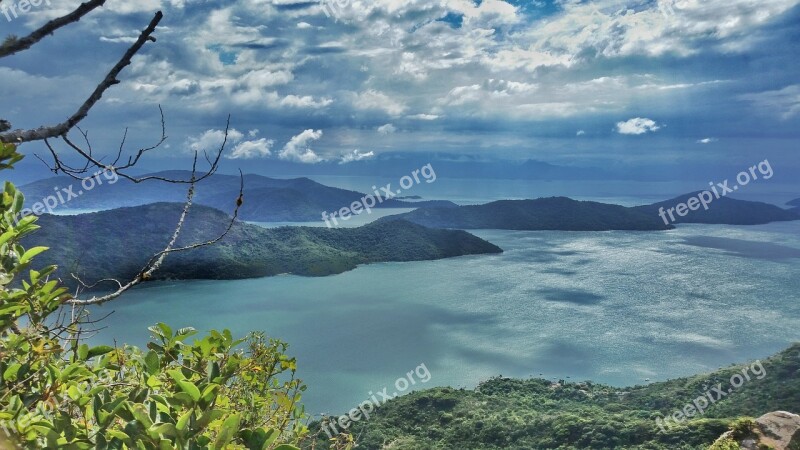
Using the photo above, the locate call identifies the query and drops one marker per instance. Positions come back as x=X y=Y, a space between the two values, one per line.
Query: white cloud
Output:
x=305 y=101
x=356 y=155
x=387 y=129
x=211 y=140
x=252 y=149
x=637 y=126
x=580 y=133
x=424 y=117
x=304 y=25
x=298 y=150
x=376 y=100
x=707 y=140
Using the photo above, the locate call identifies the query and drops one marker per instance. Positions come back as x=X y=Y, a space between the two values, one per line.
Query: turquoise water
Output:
x=615 y=307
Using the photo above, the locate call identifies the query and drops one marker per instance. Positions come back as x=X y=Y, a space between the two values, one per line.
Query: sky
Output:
x=338 y=83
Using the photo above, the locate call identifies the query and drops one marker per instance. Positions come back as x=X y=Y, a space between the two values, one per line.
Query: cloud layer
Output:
x=514 y=79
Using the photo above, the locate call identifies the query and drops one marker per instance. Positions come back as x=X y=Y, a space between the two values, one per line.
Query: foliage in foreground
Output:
x=512 y=414
x=57 y=392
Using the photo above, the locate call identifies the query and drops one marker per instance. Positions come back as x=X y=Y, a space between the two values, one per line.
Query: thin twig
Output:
x=62 y=129
x=18 y=45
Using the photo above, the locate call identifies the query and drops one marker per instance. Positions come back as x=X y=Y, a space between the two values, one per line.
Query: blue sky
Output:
x=584 y=83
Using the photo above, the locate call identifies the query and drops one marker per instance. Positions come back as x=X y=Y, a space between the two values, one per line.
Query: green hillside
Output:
x=513 y=414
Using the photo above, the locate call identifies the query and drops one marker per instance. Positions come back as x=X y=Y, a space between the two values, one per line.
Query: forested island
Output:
x=118 y=243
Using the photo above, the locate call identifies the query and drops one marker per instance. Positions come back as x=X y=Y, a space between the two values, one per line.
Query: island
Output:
x=723 y=211
x=118 y=243
x=544 y=214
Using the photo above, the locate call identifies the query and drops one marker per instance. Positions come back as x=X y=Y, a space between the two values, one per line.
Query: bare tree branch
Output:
x=45 y=132
x=17 y=45
x=59 y=166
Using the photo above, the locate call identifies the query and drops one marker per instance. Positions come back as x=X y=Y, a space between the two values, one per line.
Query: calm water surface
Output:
x=614 y=307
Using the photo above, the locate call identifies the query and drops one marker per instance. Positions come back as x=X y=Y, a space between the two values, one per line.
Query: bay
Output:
x=613 y=307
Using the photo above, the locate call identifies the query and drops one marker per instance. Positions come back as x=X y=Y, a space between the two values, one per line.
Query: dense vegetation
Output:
x=726 y=211
x=557 y=213
x=268 y=199
x=117 y=243
x=512 y=414
x=56 y=391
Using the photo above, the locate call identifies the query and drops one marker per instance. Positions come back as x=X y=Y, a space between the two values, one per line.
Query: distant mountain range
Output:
x=117 y=243
x=565 y=214
x=266 y=199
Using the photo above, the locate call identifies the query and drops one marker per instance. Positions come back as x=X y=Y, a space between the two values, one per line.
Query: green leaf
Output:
x=141 y=414
x=189 y=388
x=183 y=421
x=83 y=352
x=6 y=236
x=152 y=362
x=11 y=372
x=118 y=435
x=28 y=255
x=228 y=430
x=166 y=429
x=100 y=350
x=210 y=392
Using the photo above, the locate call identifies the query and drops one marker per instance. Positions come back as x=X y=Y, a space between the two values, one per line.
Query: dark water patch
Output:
x=574 y=296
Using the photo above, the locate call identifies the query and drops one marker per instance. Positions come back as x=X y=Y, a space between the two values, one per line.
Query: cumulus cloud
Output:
x=252 y=149
x=580 y=133
x=637 y=126
x=211 y=140
x=387 y=129
x=376 y=100
x=298 y=148
x=356 y=155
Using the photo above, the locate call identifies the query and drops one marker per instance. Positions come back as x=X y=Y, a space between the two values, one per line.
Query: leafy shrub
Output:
x=58 y=392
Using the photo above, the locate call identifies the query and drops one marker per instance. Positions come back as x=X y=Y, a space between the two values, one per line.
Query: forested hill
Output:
x=724 y=210
x=508 y=414
x=117 y=243
x=557 y=213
